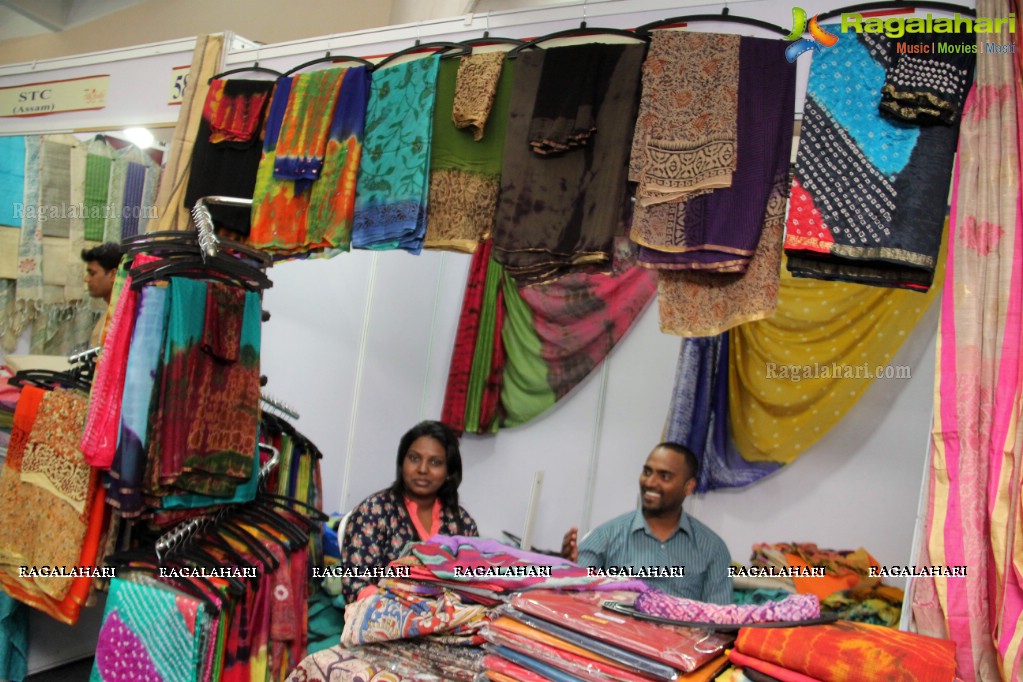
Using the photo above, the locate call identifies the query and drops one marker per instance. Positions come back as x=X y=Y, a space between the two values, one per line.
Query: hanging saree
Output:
x=227 y=148
x=559 y=213
x=97 y=185
x=12 y=179
x=973 y=514
x=390 y=207
x=205 y=420
x=307 y=118
x=295 y=217
x=465 y=164
x=869 y=194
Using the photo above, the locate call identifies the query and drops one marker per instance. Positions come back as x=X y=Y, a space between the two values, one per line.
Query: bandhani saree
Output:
x=718 y=231
x=390 y=206
x=124 y=480
x=927 y=77
x=307 y=120
x=685 y=139
x=465 y=170
x=205 y=420
x=150 y=632
x=799 y=372
x=852 y=652
x=869 y=194
x=560 y=213
x=97 y=184
x=698 y=416
x=291 y=218
x=12 y=179
x=973 y=515
x=227 y=148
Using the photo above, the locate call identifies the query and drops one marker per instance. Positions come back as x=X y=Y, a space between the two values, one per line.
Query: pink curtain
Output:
x=977 y=440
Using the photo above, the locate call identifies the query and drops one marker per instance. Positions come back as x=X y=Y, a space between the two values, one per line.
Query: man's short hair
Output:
x=108 y=255
x=687 y=454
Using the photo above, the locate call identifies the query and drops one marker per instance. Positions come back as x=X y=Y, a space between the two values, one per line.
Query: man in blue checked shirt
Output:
x=657 y=540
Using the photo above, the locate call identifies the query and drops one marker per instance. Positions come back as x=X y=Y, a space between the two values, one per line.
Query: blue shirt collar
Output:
x=639 y=523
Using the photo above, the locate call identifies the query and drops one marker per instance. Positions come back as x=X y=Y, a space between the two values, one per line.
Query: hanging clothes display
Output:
x=869 y=193
x=559 y=213
x=390 y=207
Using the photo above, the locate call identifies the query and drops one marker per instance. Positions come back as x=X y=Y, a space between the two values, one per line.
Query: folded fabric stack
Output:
x=842 y=652
x=391 y=662
x=549 y=635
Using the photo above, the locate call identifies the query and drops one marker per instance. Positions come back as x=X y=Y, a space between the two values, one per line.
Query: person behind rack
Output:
x=100 y=270
x=659 y=534
x=422 y=502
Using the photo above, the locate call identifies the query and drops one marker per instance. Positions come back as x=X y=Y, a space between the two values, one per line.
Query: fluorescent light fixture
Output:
x=140 y=137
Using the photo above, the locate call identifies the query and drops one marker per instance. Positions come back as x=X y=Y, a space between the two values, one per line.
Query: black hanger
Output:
x=289 y=503
x=897 y=4
x=48 y=379
x=228 y=270
x=155 y=242
x=328 y=58
x=487 y=39
x=255 y=68
x=228 y=526
x=724 y=16
x=441 y=45
x=196 y=557
x=258 y=515
x=583 y=30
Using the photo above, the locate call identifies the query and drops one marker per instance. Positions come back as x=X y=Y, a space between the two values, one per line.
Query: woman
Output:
x=422 y=502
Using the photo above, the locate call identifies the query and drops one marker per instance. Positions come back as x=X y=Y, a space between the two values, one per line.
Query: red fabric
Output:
x=453 y=413
x=775 y=671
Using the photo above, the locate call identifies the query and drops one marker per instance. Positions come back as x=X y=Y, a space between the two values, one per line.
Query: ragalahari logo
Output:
x=818 y=36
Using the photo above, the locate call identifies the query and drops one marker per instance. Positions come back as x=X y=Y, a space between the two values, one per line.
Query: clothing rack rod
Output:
x=84 y=356
x=279 y=405
x=271 y=464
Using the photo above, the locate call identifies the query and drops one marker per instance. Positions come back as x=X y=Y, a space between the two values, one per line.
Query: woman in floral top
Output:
x=422 y=502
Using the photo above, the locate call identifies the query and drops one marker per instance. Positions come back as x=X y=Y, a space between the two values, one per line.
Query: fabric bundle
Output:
x=559 y=213
x=465 y=169
x=793 y=608
x=519 y=351
x=227 y=148
x=845 y=652
x=390 y=208
x=869 y=194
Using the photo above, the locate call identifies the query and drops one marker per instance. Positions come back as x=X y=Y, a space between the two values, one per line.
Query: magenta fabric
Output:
x=795 y=607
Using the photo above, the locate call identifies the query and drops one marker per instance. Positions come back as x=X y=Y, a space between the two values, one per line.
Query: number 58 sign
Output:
x=179 y=81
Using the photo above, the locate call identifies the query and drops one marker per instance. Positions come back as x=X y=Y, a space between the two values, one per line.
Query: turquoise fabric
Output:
x=13 y=639
x=12 y=179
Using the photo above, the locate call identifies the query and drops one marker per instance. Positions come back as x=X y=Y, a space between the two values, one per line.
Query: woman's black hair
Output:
x=448 y=493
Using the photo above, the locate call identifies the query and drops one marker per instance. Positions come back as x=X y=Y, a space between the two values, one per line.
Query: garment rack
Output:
x=203 y=220
x=279 y=405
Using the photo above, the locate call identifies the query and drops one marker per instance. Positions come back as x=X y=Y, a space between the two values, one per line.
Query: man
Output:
x=100 y=269
x=659 y=535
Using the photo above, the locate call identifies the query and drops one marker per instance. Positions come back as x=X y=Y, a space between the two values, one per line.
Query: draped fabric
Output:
x=170 y=206
x=698 y=416
x=465 y=163
x=973 y=513
x=97 y=185
x=795 y=375
x=294 y=217
x=926 y=84
x=390 y=207
x=30 y=244
x=869 y=193
x=124 y=480
x=306 y=126
x=12 y=179
x=205 y=422
x=685 y=140
x=228 y=147
x=560 y=213
x=518 y=351
x=718 y=230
